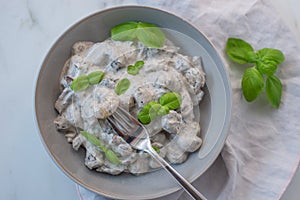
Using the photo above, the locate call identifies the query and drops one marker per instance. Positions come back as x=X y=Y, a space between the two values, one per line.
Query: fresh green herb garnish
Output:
x=262 y=74
x=269 y=59
x=163 y=110
x=168 y=101
x=149 y=34
x=149 y=112
x=122 y=86
x=131 y=69
x=134 y=69
x=252 y=83
x=112 y=157
x=109 y=154
x=171 y=100
x=273 y=90
x=238 y=50
x=156 y=148
x=95 y=77
x=82 y=82
x=124 y=32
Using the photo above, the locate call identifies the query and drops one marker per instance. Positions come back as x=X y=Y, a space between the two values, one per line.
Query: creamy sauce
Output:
x=175 y=134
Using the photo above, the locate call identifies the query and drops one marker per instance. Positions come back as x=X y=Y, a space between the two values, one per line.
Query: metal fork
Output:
x=131 y=130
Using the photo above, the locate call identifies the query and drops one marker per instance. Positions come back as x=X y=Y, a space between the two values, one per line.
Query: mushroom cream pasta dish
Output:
x=159 y=86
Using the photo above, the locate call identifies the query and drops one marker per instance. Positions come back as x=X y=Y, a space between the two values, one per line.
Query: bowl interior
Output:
x=215 y=107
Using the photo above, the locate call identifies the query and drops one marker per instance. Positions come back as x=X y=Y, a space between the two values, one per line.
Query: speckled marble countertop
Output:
x=28 y=28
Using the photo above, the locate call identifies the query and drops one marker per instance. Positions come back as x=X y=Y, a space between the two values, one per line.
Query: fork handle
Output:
x=188 y=187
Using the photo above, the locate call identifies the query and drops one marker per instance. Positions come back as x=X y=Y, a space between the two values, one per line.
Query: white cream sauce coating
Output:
x=175 y=134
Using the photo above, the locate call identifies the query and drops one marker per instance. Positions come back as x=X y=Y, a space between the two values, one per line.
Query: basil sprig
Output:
x=262 y=74
x=82 y=82
x=149 y=34
x=109 y=154
x=168 y=101
x=134 y=69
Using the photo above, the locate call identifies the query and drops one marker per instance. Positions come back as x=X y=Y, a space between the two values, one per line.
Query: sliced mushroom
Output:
x=64 y=100
x=172 y=122
x=113 y=170
x=143 y=95
x=175 y=154
x=105 y=103
x=92 y=161
x=140 y=165
x=62 y=124
x=81 y=46
x=187 y=139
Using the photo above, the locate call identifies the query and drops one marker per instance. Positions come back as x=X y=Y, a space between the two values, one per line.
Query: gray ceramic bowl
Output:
x=215 y=108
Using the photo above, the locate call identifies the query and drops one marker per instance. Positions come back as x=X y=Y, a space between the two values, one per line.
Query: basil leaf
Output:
x=238 y=50
x=139 y=64
x=268 y=54
x=156 y=148
x=80 y=83
x=133 y=70
x=124 y=32
x=252 y=83
x=171 y=100
x=163 y=110
x=273 y=90
x=268 y=60
x=122 y=86
x=150 y=35
x=267 y=67
x=252 y=57
x=93 y=140
x=153 y=111
x=95 y=77
x=112 y=157
x=148 y=112
x=109 y=154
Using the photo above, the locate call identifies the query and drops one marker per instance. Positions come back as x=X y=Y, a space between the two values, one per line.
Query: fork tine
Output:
x=118 y=122
x=114 y=124
x=117 y=128
x=122 y=124
x=129 y=118
x=124 y=120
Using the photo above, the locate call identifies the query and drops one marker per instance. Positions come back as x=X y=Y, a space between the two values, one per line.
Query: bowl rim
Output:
x=52 y=48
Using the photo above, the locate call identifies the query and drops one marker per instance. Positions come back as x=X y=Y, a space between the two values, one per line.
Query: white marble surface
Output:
x=28 y=28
